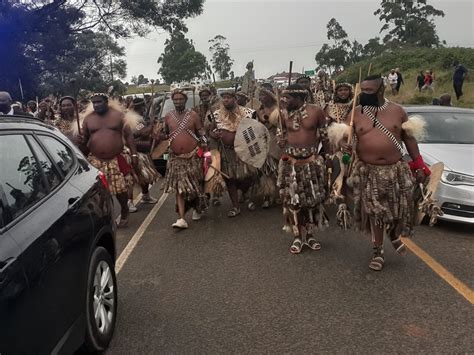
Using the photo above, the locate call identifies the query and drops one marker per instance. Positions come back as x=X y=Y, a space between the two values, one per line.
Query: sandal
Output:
x=234 y=212
x=313 y=244
x=216 y=202
x=399 y=246
x=378 y=260
x=296 y=246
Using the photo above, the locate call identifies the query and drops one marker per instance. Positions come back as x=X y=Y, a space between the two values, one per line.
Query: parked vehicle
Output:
x=450 y=139
x=58 y=290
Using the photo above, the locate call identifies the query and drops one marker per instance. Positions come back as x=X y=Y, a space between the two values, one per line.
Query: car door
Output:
x=50 y=234
x=12 y=278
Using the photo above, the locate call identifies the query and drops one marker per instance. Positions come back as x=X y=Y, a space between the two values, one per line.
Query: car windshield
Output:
x=448 y=127
x=168 y=106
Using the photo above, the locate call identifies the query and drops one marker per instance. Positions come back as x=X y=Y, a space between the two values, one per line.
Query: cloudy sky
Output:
x=274 y=32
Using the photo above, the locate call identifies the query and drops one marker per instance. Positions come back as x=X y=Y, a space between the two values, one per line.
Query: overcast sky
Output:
x=274 y=32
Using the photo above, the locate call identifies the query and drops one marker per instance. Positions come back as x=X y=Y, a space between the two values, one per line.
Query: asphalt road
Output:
x=231 y=286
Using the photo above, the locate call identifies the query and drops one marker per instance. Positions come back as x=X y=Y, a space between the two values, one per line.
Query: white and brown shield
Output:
x=252 y=142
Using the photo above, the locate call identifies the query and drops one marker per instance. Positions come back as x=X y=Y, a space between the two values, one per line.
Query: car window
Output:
x=448 y=127
x=50 y=173
x=61 y=154
x=21 y=176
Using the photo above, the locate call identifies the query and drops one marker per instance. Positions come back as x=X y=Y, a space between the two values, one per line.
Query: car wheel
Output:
x=101 y=302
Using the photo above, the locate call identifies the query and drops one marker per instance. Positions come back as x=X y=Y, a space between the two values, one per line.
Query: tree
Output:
x=334 y=57
x=39 y=39
x=356 y=52
x=180 y=61
x=373 y=48
x=142 y=80
x=409 y=22
x=97 y=63
x=221 y=61
x=121 y=17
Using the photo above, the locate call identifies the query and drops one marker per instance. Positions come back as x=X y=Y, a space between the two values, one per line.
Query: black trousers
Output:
x=458 y=88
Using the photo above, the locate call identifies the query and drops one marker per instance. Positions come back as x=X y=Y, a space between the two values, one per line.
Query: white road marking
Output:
x=122 y=259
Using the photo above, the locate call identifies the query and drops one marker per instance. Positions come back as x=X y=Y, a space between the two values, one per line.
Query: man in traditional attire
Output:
x=184 y=173
x=208 y=104
x=238 y=175
x=269 y=115
x=337 y=109
x=66 y=120
x=104 y=132
x=305 y=82
x=382 y=181
x=146 y=173
x=302 y=172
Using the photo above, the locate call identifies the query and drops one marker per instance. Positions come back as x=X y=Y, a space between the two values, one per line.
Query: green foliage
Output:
x=412 y=59
x=409 y=23
x=49 y=43
x=221 y=61
x=334 y=57
x=411 y=62
x=180 y=61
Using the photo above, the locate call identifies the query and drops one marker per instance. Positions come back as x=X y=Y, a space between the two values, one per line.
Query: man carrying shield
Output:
x=302 y=173
x=238 y=175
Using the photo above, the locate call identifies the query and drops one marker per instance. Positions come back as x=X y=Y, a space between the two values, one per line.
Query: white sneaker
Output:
x=131 y=207
x=146 y=198
x=196 y=215
x=180 y=223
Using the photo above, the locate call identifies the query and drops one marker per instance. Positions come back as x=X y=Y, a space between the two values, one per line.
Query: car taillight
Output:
x=103 y=180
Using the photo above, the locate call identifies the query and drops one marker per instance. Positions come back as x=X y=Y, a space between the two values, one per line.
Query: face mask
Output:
x=369 y=99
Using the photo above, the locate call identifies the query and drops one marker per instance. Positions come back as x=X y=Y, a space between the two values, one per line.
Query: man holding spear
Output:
x=382 y=182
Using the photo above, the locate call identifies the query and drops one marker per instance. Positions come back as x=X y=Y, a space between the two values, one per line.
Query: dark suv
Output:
x=58 y=289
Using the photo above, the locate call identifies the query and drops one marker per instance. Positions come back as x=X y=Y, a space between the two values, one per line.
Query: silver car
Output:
x=450 y=139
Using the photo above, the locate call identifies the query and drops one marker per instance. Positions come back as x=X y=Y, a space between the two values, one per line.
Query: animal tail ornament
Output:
x=415 y=127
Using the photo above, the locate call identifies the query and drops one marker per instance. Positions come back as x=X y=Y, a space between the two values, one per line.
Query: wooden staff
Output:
x=280 y=123
x=354 y=101
x=368 y=71
x=76 y=110
x=289 y=76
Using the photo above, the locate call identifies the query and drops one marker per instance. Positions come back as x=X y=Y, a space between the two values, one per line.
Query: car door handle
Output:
x=73 y=203
x=4 y=264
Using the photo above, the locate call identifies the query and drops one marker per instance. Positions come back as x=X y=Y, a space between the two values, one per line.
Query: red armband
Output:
x=418 y=164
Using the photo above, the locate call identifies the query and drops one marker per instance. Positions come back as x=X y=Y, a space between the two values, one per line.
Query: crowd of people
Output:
x=304 y=163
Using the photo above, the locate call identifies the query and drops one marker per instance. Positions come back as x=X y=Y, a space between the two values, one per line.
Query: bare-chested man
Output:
x=383 y=183
x=184 y=174
x=302 y=173
x=241 y=176
x=104 y=131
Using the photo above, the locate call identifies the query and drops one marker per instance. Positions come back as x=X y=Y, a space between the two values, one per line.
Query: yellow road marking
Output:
x=455 y=283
